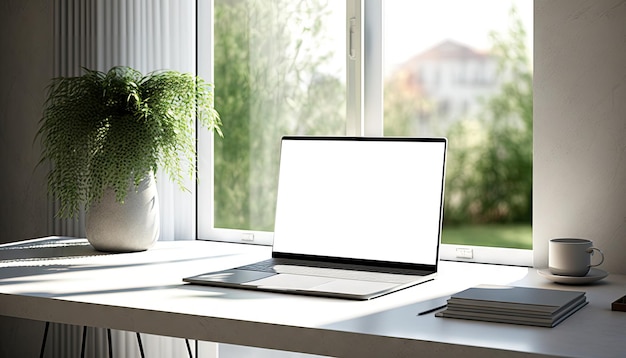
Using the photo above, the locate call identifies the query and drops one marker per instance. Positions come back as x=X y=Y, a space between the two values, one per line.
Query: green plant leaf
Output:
x=109 y=130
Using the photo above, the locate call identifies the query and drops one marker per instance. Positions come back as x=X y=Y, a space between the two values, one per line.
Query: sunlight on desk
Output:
x=144 y=292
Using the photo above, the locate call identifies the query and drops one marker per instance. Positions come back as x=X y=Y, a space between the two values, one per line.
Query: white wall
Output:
x=25 y=68
x=580 y=126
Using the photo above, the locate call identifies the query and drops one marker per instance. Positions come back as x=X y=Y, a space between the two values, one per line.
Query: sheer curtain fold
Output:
x=74 y=36
x=147 y=35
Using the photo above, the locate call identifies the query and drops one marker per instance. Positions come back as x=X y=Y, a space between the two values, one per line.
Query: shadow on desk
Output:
x=46 y=249
x=54 y=255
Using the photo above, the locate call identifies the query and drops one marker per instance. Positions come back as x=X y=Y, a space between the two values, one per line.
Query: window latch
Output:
x=352 y=33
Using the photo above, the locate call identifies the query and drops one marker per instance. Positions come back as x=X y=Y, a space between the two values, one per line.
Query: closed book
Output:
x=517 y=311
x=518 y=305
x=516 y=298
x=546 y=321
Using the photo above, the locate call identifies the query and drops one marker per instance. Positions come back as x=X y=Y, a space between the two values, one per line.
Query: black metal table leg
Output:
x=43 y=342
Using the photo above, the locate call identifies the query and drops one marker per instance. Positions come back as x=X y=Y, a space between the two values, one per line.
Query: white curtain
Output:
x=147 y=35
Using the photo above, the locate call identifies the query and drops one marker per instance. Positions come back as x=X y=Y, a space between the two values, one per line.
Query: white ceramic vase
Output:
x=125 y=227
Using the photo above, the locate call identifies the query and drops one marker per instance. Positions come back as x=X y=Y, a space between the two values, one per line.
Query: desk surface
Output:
x=64 y=280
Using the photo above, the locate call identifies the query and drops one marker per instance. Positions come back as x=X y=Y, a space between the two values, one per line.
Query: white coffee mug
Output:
x=571 y=257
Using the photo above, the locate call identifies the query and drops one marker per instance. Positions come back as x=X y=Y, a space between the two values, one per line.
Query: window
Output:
x=466 y=75
x=280 y=67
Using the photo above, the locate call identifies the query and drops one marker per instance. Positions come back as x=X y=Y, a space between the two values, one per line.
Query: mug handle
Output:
x=590 y=250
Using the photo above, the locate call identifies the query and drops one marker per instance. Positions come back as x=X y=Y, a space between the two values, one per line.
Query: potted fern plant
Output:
x=106 y=133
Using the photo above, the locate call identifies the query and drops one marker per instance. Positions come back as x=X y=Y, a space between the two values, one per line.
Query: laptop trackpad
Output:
x=320 y=284
x=289 y=281
x=354 y=286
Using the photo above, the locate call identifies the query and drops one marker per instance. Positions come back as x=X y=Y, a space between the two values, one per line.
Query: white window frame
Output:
x=205 y=223
x=364 y=118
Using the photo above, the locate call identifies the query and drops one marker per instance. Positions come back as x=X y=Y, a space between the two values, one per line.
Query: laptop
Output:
x=356 y=218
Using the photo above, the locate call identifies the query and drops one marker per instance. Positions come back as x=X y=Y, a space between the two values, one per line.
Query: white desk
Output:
x=63 y=280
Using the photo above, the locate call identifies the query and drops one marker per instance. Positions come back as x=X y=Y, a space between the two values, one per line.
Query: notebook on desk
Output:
x=356 y=218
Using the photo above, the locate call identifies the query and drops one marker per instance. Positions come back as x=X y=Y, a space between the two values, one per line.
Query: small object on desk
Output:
x=595 y=274
x=432 y=310
x=517 y=305
x=619 y=304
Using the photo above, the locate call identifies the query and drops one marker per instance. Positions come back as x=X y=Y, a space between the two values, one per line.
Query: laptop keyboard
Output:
x=334 y=270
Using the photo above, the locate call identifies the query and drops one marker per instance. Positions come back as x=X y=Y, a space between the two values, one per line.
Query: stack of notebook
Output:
x=518 y=305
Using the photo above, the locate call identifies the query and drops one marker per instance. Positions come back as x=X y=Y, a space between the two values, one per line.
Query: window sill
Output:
x=484 y=254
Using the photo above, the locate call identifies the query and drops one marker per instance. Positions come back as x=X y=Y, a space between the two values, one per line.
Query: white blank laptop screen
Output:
x=361 y=199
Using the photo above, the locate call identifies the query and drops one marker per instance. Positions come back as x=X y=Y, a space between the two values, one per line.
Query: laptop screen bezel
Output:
x=417 y=268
